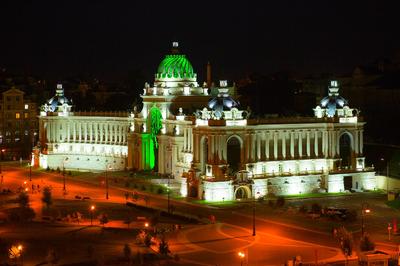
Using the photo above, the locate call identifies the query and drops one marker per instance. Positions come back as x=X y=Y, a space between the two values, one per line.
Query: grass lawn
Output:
x=395 y=204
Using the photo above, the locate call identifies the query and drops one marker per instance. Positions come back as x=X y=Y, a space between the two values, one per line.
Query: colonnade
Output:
x=86 y=131
x=264 y=145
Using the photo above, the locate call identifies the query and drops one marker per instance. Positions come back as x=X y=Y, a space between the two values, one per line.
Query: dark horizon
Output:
x=110 y=41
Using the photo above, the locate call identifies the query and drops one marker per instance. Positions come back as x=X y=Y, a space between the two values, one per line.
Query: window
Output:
x=8 y=107
x=26 y=106
x=26 y=132
x=17 y=115
x=8 y=98
x=17 y=98
x=26 y=115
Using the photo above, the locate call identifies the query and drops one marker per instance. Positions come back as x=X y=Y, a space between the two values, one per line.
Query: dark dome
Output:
x=222 y=103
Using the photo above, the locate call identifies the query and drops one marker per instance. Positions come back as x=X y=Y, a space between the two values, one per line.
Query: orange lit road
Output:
x=214 y=244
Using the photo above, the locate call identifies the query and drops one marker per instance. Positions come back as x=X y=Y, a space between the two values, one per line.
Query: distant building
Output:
x=18 y=124
x=215 y=151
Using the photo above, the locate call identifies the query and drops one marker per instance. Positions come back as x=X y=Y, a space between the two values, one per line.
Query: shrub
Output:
x=271 y=203
x=303 y=209
x=143 y=187
x=127 y=184
x=280 y=202
x=135 y=186
x=127 y=251
x=160 y=190
x=103 y=219
x=366 y=243
x=163 y=247
x=48 y=168
x=351 y=216
x=316 y=208
x=58 y=170
x=148 y=240
x=69 y=173
x=47 y=198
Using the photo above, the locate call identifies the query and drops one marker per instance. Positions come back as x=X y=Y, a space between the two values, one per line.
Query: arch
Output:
x=203 y=153
x=345 y=149
x=350 y=136
x=242 y=192
x=234 y=146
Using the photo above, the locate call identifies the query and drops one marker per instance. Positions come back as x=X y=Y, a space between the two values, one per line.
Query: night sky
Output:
x=110 y=39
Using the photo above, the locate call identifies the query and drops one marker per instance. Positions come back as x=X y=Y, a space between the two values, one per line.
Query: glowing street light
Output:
x=20 y=247
x=146 y=225
x=92 y=208
x=241 y=256
x=364 y=210
x=108 y=167
x=30 y=171
x=64 y=161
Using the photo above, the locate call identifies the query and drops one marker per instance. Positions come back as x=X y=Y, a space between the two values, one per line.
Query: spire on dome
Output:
x=175 y=48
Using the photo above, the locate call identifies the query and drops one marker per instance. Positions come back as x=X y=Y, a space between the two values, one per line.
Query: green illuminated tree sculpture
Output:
x=155 y=127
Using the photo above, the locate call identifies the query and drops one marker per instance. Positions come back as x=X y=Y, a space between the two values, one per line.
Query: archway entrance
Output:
x=345 y=150
x=233 y=154
x=242 y=192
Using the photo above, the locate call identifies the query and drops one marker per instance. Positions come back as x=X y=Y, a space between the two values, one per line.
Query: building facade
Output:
x=86 y=141
x=18 y=124
x=212 y=148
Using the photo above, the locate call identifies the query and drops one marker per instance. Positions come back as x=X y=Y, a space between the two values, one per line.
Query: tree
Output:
x=346 y=242
x=47 y=198
x=128 y=220
x=366 y=243
x=127 y=252
x=148 y=240
x=280 y=202
x=163 y=247
x=316 y=208
x=52 y=257
x=23 y=200
x=103 y=219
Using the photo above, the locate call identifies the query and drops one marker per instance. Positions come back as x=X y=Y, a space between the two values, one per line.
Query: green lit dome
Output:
x=175 y=66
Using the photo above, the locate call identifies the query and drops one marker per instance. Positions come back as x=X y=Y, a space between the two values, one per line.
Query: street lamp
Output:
x=107 y=167
x=64 y=161
x=241 y=256
x=91 y=214
x=168 y=202
x=30 y=171
x=20 y=247
x=364 y=210
x=251 y=166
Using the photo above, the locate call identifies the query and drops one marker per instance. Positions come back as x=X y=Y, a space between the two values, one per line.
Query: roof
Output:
x=175 y=66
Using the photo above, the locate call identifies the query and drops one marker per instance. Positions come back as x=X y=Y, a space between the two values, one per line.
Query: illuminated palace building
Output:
x=201 y=137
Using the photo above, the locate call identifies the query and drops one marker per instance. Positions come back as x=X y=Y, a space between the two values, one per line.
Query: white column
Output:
x=106 y=136
x=357 y=142
x=258 y=146
x=361 y=141
x=211 y=153
x=275 y=145
x=316 y=143
x=80 y=131
x=68 y=125
x=267 y=135
x=291 y=144
x=300 y=134
x=224 y=148
x=184 y=139
x=308 y=143
x=46 y=125
x=284 y=144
